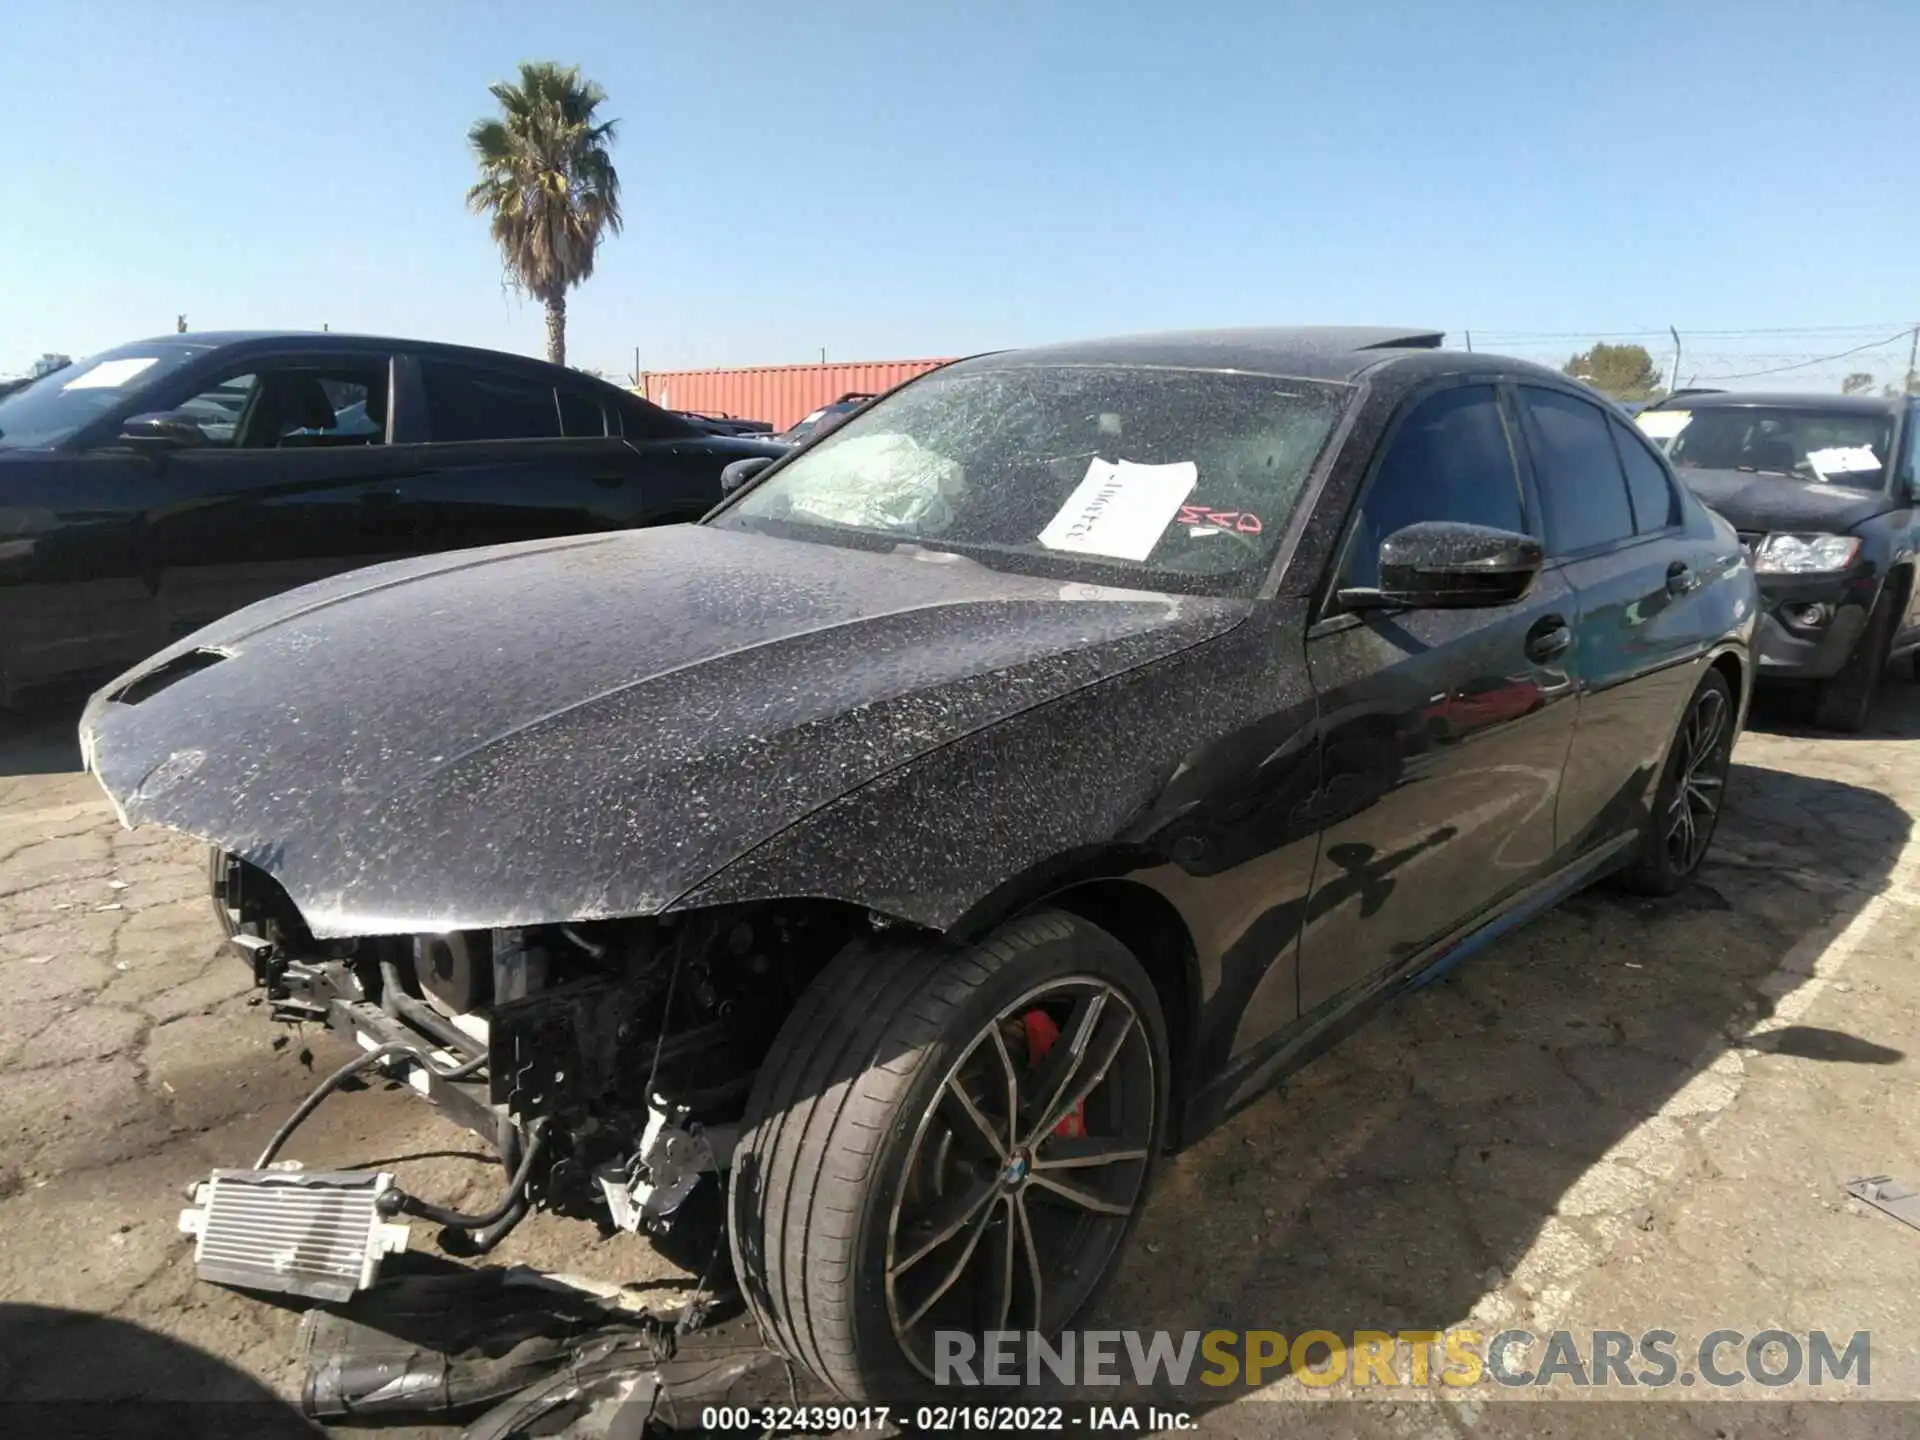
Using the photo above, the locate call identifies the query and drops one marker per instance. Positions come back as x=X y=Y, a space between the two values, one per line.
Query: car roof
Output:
x=1308 y=352
x=322 y=340
x=1784 y=400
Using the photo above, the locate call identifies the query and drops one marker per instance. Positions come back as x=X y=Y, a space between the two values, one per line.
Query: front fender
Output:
x=1120 y=770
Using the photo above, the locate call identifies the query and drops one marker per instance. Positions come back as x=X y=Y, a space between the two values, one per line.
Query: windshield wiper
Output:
x=933 y=554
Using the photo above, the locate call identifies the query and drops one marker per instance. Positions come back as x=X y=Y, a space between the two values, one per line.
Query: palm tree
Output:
x=547 y=179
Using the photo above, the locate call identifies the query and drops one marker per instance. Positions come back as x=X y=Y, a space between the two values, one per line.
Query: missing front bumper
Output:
x=538 y=1063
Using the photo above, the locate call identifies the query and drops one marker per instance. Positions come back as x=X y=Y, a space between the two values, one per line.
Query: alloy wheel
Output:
x=1025 y=1170
x=1699 y=782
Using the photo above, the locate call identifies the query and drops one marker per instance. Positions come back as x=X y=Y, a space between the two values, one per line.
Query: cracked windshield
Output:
x=1187 y=476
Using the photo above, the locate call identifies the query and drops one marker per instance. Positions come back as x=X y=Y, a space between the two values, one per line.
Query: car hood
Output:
x=585 y=728
x=1771 y=502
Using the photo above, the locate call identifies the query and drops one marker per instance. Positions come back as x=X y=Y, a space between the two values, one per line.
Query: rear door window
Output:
x=581 y=414
x=1450 y=459
x=1655 y=506
x=640 y=419
x=1583 y=489
x=467 y=402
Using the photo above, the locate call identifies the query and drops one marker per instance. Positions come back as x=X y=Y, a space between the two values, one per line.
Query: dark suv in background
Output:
x=151 y=489
x=1821 y=489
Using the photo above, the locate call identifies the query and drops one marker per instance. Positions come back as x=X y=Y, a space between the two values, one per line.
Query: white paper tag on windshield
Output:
x=110 y=374
x=1120 y=510
x=1663 y=424
x=1843 y=460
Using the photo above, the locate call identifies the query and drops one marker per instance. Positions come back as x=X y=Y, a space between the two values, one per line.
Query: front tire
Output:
x=1844 y=702
x=1686 y=807
x=946 y=1137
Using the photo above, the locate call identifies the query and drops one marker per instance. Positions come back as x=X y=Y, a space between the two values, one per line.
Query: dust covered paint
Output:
x=587 y=729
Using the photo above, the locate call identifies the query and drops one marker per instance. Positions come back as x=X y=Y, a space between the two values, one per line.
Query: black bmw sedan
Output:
x=156 y=487
x=990 y=796
x=1823 y=491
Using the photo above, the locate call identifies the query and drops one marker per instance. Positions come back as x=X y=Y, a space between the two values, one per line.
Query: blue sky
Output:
x=915 y=180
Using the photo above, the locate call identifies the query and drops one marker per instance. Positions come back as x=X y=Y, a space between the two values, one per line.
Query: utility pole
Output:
x=1469 y=342
x=1913 y=346
x=823 y=354
x=1673 y=373
x=636 y=367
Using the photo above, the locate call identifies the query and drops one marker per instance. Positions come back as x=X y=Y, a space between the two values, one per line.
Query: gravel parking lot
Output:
x=1628 y=1115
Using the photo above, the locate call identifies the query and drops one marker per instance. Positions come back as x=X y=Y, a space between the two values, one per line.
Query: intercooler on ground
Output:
x=320 y=1234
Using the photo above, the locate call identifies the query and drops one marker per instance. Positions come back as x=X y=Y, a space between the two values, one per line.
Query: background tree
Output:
x=548 y=182
x=1625 y=372
x=1858 y=383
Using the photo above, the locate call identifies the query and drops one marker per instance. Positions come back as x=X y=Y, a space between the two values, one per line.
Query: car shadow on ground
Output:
x=1465 y=1158
x=69 y=1373
x=1786 y=709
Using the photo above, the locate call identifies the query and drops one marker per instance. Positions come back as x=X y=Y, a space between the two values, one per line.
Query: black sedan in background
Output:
x=819 y=422
x=725 y=424
x=1822 y=490
x=149 y=490
x=995 y=792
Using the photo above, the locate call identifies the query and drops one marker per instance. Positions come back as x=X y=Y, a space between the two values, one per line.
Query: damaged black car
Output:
x=986 y=799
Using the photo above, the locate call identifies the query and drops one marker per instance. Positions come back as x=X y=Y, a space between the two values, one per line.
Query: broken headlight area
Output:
x=608 y=1063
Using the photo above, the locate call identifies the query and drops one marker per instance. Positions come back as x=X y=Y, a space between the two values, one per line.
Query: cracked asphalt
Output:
x=1628 y=1115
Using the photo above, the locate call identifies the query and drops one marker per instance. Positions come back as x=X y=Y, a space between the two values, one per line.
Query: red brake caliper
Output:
x=1041 y=1033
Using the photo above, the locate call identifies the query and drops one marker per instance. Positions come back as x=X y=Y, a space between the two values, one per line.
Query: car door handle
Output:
x=1548 y=637
x=1679 y=578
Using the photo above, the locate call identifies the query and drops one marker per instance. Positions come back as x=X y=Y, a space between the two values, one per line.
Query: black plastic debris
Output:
x=625 y=1389
x=438 y=1343
x=518 y=1353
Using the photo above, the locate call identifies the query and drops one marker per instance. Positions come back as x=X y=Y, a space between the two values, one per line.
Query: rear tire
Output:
x=1686 y=807
x=892 y=1111
x=1844 y=702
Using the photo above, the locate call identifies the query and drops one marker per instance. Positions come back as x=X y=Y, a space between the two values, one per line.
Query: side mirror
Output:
x=1443 y=565
x=162 y=430
x=741 y=471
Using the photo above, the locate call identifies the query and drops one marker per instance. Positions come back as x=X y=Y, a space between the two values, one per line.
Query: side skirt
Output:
x=1342 y=1014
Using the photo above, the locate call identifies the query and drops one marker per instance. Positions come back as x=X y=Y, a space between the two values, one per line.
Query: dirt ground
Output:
x=1626 y=1116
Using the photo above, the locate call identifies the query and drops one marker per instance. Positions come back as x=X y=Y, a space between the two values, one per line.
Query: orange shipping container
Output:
x=778 y=394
